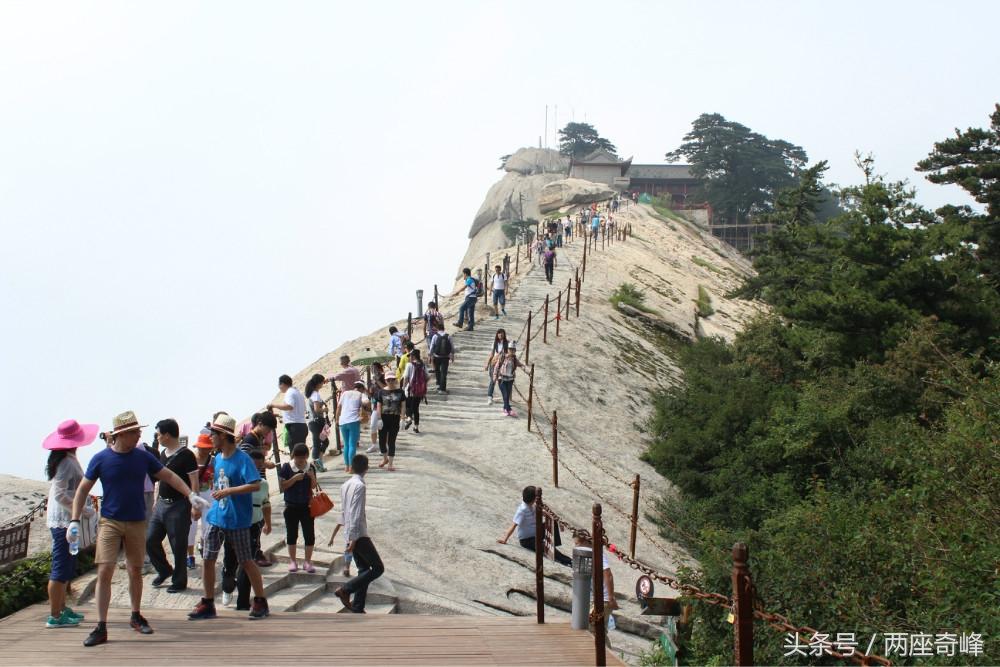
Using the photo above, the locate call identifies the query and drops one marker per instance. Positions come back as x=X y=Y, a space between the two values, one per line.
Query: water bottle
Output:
x=73 y=538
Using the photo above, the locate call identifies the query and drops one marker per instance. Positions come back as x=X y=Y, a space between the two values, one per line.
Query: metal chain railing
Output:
x=774 y=620
x=28 y=516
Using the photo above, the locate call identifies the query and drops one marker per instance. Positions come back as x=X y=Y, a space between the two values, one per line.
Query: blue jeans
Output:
x=468 y=306
x=350 y=434
x=489 y=392
x=500 y=297
x=506 y=388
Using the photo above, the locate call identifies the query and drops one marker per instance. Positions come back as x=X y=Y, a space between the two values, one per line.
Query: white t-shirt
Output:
x=314 y=398
x=524 y=517
x=350 y=406
x=297 y=415
x=500 y=281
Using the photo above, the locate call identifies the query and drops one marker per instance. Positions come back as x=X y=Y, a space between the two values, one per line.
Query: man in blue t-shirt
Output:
x=235 y=479
x=122 y=469
x=469 y=305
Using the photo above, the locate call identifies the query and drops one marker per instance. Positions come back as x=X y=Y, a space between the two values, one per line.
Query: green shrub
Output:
x=628 y=294
x=704 y=302
x=27 y=582
x=705 y=264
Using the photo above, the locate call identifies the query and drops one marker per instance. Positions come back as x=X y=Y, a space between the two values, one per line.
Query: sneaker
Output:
x=176 y=589
x=511 y=413
x=457 y=324
x=309 y=568
x=259 y=609
x=160 y=578
x=64 y=620
x=489 y=400
x=293 y=567
x=140 y=624
x=70 y=612
x=416 y=429
x=98 y=635
x=204 y=609
x=407 y=424
x=504 y=313
x=373 y=448
x=190 y=562
x=263 y=562
x=319 y=465
x=227 y=599
x=147 y=568
x=506 y=412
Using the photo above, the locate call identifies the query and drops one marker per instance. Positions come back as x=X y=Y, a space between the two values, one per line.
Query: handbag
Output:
x=320 y=503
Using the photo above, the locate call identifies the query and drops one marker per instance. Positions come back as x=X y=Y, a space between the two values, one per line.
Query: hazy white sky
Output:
x=198 y=197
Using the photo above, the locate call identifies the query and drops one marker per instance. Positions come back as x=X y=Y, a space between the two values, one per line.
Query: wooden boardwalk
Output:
x=298 y=638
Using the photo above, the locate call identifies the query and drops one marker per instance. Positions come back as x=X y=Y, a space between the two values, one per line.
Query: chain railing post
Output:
x=578 y=297
x=531 y=392
x=527 y=339
x=409 y=326
x=742 y=606
x=555 y=449
x=517 y=259
x=335 y=421
x=583 y=272
x=635 y=517
x=600 y=624
x=569 y=290
x=558 y=311
x=539 y=552
x=545 y=322
x=436 y=302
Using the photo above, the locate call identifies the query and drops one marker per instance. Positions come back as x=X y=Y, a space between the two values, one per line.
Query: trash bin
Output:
x=583 y=569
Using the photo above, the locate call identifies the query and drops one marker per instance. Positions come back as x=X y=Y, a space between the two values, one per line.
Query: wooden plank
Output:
x=347 y=639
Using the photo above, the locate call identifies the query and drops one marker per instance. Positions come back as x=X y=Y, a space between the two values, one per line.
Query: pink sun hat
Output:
x=71 y=435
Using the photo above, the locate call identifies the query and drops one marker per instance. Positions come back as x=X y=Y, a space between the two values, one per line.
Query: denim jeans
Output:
x=370 y=568
x=315 y=428
x=468 y=306
x=506 y=389
x=171 y=520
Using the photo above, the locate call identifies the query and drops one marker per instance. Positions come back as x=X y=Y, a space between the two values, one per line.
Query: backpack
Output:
x=478 y=286
x=418 y=384
x=442 y=346
x=438 y=321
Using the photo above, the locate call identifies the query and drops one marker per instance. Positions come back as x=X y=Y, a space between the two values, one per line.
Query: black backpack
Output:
x=442 y=346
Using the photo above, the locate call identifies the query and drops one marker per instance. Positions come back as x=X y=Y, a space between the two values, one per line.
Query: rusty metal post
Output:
x=742 y=606
x=600 y=623
x=517 y=260
x=555 y=449
x=409 y=326
x=635 y=517
x=368 y=374
x=583 y=272
x=336 y=420
x=578 y=297
x=539 y=552
x=545 y=322
x=527 y=340
x=558 y=312
x=569 y=290
x=436 y=302
x=604 y=231
x=531 y=392
x=486 y=281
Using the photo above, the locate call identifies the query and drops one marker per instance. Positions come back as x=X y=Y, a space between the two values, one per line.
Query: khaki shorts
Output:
x=112 y=535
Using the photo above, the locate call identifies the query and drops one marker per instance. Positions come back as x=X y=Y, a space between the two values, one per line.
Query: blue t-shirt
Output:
x=234 y=511
x=123 y=478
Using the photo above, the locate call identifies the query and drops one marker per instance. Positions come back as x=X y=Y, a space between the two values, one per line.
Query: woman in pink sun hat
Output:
x=64 y=471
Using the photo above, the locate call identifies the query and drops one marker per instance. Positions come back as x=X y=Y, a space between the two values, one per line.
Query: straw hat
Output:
x=71 y=435
x=126 y=421
x=224 y=424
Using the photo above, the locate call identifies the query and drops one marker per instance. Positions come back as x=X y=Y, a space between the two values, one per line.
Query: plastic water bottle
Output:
x=74 y=539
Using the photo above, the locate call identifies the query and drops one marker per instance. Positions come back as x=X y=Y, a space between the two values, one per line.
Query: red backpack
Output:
x=418 y=383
